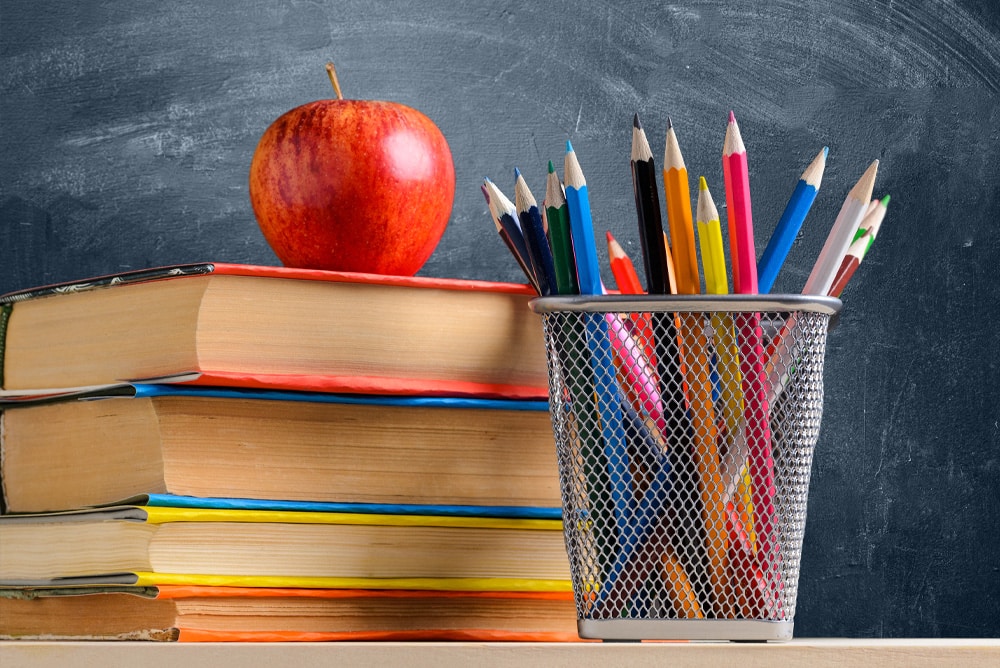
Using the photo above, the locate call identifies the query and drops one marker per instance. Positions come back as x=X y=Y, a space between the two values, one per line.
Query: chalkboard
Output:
x=127 y=131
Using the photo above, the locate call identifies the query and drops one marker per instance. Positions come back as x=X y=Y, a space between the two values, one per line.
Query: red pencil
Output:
x=623 y=269
x=850 y=264
x=864 y=239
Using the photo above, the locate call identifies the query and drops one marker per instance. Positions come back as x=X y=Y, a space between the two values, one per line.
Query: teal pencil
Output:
x=557 y=217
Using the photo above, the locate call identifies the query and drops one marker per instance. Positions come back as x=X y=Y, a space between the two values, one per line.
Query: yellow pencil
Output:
x=713 y=258
x=727 y=350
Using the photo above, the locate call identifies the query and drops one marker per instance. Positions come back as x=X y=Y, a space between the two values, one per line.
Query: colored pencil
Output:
x=504 y=216
x=647 y=206
x=726 y=351
x=841 y=234
x=696 y=364
x=697 y=371
x=534 y=235
x=581 y=225
x=682 y=597
x=623 y=268
x=557 y=218
x=678 y=195
x=671 y=274
x=850 y=264
x=635 y=368
x=716 y=283
x=872 y=221
x=605 y=385
x=628 y=282
x=713 y=257
x=790 y=222
x=756 y=411
x=736 y=172
x=859 y=247
x=637 y=354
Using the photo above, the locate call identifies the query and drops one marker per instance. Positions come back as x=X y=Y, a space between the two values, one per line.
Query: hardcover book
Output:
x=242 y=325
x=148 y=545
x=305 y=446
x=200 y=613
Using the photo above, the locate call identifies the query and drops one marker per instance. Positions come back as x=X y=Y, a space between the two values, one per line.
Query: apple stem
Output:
x=333 y=79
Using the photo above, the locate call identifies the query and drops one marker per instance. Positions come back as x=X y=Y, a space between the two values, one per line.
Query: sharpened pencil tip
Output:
x=569 y=146
x=609 y=237
x=732 y=116
x=635 y=122
x=885 y=201
x=517 y=173
x=702 y=183
x=826 y=151
x=670 y=124
x=551 y=167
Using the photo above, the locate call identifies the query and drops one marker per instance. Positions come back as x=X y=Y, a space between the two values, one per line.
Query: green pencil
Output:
x=557 y=217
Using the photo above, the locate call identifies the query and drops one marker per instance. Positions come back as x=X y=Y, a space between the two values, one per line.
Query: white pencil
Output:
x=842 y=234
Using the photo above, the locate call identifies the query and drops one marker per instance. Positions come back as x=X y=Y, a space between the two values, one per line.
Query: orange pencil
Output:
x=697 y=364
x=679 y=219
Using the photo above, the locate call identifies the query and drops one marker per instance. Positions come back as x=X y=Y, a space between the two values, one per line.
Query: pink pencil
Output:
x=737 y=178
x=756 y=410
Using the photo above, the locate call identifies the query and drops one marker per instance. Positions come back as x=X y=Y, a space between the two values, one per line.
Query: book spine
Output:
x=5 y=310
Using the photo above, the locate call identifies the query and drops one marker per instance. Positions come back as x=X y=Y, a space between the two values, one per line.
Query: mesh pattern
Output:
x=685 y=444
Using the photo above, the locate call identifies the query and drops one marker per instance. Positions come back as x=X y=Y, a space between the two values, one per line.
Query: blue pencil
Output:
x=534 y=236
x=602 y=366
x=791 y=221
x=581 y=226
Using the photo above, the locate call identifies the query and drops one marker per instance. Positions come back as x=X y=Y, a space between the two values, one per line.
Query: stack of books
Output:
x=230 y=452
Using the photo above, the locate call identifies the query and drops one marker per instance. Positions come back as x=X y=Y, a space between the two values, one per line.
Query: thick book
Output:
x=244 y=325
x=257 y=614
x=306 y=446
x=148 y=545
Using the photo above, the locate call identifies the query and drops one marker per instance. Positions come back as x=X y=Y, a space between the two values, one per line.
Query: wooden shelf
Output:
x=820 y=653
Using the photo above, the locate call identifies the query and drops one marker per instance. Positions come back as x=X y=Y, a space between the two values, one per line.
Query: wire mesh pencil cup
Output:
x=685 y=429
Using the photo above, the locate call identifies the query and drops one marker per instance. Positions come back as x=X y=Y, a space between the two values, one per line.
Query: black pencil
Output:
x=647 y=206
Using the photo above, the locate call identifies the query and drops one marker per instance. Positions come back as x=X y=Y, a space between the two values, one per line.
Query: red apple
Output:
x=353 y=185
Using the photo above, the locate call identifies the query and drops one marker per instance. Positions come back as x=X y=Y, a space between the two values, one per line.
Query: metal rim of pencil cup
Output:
x=687 y=304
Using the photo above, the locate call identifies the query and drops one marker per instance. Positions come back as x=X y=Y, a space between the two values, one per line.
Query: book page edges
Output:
x=469 y=635
x=147 y=579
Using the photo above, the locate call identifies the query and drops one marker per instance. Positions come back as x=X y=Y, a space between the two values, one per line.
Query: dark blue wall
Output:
x=127 y=131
